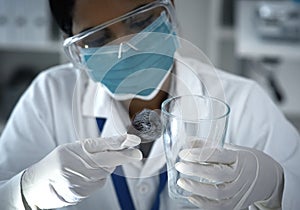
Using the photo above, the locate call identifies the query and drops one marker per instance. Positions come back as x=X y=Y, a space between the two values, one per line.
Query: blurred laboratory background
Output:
x=252 y=38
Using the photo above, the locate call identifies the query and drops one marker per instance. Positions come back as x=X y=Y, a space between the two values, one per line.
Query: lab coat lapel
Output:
x=155 y=161
x=97 y=103
x=117 y=120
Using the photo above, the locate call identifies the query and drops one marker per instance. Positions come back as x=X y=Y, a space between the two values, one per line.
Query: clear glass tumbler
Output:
x=191 y=121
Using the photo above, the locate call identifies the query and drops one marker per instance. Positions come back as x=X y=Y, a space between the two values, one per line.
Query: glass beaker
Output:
x=191 y=121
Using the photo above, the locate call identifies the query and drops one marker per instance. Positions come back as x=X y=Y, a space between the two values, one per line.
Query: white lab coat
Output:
x=61 y=104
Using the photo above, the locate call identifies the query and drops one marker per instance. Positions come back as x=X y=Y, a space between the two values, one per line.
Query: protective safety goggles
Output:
x=131 y=23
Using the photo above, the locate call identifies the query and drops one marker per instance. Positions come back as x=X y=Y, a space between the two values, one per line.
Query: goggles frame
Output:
x=69 y=44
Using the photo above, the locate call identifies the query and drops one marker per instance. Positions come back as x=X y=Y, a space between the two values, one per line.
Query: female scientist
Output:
x=64 y=145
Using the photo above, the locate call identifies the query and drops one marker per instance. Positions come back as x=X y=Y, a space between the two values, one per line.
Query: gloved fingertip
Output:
x=184 y=153
x=89 y=145
x=188 y=155
x=137 y=154
x=230 y=146
x=183 y=183
x=131 y=141
x=193 y=200
x=179 y=182
x=179 y=166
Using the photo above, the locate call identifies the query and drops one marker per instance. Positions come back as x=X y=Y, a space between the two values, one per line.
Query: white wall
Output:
x=200 y=23
x=193 y=19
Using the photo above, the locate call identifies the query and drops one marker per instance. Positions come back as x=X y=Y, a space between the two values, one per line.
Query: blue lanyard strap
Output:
x=120 y=183
x=121 y=188
x=123 y=193
x=162 y=183
x=100 y=123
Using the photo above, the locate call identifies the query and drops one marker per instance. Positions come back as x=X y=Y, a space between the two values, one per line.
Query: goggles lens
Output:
x=116 y=31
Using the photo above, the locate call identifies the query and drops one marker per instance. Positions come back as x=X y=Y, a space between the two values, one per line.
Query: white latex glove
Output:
x=71 y=172
x=247 y=175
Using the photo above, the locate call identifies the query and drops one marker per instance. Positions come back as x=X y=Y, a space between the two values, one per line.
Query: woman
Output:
x=51 y=152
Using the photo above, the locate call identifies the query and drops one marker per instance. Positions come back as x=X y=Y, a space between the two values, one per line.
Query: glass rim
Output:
x=73 y=39
x=167 y=101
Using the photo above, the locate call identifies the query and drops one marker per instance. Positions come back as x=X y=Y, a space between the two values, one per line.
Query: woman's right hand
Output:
x=71 y=172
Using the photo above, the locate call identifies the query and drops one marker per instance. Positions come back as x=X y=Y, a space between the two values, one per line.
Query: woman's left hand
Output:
x=242 y=177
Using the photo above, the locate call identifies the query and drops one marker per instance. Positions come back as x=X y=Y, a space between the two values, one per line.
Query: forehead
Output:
x=90 y=13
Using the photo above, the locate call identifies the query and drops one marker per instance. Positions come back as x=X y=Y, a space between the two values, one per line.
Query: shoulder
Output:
x=58 y=79
x=216 y=80
x=239 y=89
x=54 y=88
x=255 y=120
x=64 y=73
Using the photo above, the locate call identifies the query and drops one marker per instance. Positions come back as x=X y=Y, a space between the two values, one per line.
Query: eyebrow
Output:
x=88 y=28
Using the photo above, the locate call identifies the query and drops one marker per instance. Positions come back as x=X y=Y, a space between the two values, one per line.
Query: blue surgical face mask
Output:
x=138 y=67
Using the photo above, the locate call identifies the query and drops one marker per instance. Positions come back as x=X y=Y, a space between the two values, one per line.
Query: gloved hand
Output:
x=245 y=176
x=71 y=172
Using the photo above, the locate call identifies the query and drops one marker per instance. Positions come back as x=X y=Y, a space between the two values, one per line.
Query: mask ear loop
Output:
x=121 y=46
x=131 y=46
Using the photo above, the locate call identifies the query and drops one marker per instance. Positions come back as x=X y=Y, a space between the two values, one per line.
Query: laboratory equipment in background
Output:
x=268 y=68
x=13 y=88
x=30 y=42
x=25 y=22
x=278 y=20
x=267 y=47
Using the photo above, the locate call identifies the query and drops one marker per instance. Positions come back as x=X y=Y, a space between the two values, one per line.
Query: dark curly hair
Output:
x=62 y=12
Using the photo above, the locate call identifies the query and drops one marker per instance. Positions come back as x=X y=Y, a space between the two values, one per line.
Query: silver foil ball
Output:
x=147 y=125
